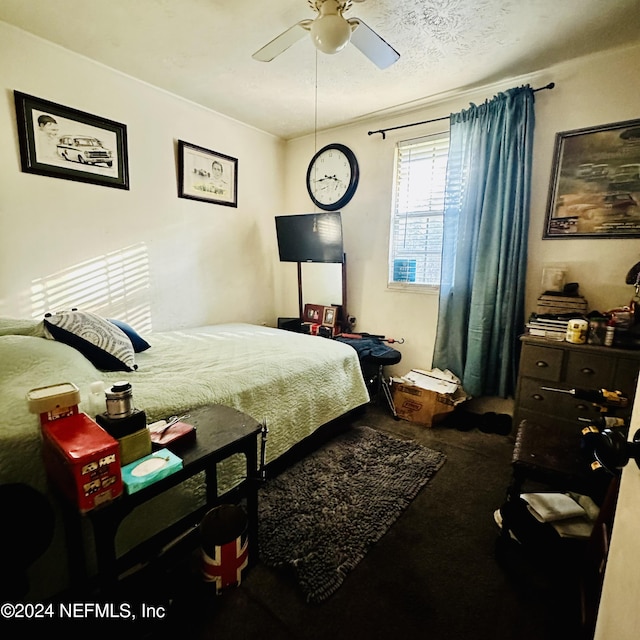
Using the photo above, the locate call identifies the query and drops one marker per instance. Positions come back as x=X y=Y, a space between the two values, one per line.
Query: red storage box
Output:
x=83 y=460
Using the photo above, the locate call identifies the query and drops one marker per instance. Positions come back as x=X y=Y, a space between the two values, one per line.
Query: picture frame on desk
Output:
x=313 y=313
x=329 y=316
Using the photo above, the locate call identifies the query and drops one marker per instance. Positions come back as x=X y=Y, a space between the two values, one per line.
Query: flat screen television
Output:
x=310 y=237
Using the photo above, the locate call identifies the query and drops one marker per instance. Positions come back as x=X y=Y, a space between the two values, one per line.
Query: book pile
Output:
x=547 y=326
x=559 y=304
x=571 y=515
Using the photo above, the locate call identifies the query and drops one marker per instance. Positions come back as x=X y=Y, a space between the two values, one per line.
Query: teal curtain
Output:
x=484 y=256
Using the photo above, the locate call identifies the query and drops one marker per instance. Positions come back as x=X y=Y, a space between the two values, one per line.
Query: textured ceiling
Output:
x=201 y=49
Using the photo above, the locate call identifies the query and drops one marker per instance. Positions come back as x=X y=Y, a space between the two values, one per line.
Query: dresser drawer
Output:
x=552 y=403
x=589 y=370
x=567 y=366
x=541 y=362
x=626 y=377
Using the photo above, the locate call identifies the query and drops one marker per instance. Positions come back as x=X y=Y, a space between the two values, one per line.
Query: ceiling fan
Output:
x=331 y=32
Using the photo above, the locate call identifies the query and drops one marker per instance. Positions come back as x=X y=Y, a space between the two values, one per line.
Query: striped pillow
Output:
x=100 y=341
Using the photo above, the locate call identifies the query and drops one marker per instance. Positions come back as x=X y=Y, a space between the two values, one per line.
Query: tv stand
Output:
x=344 y=317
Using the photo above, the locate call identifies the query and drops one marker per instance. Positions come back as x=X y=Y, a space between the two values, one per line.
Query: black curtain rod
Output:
x=551 y=85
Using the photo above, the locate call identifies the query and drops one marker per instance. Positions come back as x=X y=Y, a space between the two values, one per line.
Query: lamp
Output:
x=330 y=32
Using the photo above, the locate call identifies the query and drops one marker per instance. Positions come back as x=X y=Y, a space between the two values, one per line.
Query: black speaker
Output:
x=325 y=332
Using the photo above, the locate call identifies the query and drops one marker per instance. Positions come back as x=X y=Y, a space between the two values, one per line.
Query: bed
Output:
x=295 y=383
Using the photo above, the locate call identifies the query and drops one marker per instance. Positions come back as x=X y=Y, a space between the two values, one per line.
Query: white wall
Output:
x=618 y=613
x=591 y=91
x=209 y=263
x=205 y=262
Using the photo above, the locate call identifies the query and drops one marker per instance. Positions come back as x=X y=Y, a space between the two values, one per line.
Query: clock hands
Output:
x=336 y=182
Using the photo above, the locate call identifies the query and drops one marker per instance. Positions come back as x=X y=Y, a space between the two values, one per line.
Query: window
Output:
x=417 y=214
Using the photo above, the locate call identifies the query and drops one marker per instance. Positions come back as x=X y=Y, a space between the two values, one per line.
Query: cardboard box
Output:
x=83 y=460
x=426 y=406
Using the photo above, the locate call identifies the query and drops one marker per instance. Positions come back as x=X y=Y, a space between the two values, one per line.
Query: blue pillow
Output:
x=105 y=345
x=138 y=342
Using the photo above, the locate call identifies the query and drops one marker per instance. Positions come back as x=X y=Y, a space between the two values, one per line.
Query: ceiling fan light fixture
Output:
x=330 y=33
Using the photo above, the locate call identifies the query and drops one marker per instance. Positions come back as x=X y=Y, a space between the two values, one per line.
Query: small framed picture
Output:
x=61 y=142
x=329 y=316
x=207 y=175
x=313 y=313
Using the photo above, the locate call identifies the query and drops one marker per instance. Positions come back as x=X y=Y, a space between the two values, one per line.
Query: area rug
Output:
x=321 y=516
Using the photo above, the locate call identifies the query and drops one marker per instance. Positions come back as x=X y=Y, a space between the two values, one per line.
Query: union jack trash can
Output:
x=224 y=546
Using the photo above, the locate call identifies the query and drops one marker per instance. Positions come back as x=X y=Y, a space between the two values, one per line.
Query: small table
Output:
x=220 y=433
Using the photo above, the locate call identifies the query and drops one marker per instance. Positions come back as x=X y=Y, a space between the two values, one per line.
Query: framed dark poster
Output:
x=595 y=183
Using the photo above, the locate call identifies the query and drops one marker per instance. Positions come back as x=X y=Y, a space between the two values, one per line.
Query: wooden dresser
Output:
x=546 y=363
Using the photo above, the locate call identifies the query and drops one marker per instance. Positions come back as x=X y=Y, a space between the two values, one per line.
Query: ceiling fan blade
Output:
x=380 y=52
x=282 y=42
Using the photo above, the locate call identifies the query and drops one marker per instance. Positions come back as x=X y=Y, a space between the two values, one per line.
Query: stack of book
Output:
x=559 y=304
x=547 y=327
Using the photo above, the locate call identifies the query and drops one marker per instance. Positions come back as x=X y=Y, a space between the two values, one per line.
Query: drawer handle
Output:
x=582 y=407
x=537 y=396
x=541 y=364
x=587 y=371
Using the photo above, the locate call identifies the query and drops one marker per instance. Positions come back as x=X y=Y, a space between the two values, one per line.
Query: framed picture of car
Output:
x=207 y=175
x=62 y=142
x=595 y=183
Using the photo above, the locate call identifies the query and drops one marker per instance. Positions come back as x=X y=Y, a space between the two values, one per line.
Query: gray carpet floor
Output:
x=434 y=574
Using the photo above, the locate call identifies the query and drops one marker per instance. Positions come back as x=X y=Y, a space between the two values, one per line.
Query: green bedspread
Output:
x=294 y=382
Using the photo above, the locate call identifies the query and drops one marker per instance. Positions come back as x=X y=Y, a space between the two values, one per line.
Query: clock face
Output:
x=332 y=177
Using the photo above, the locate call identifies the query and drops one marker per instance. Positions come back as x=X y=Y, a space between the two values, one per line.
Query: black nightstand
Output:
x=220 y=433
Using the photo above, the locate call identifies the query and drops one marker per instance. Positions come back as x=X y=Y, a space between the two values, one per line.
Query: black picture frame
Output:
x=206 y=175
x=594 y=190
x=62 y=142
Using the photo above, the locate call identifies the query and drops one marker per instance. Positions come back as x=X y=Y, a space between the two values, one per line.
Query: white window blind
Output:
x=417 y=215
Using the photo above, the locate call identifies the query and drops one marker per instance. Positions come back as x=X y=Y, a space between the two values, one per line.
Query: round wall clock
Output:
x=332 y=177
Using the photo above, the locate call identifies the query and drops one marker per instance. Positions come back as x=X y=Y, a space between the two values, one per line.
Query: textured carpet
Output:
x=321 y=516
